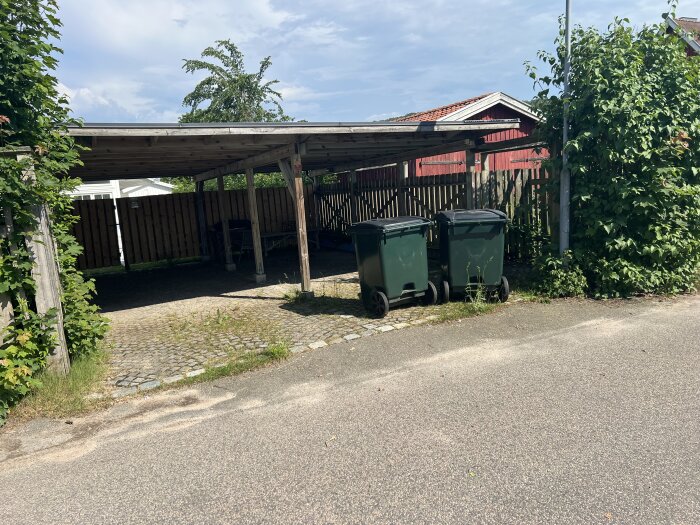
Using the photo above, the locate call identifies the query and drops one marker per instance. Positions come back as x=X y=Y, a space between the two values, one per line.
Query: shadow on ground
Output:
x=188 y=281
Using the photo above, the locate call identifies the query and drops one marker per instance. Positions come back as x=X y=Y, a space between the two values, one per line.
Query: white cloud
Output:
x=335 y=60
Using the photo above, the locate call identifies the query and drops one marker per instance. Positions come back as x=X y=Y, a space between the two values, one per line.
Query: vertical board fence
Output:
x=96 y=231
x=164 y=227
x=518 y=193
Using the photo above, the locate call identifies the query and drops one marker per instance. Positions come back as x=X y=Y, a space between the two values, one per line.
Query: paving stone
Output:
x=193 y=373
x=398 y=326
x=148 y=385
x=165 y=341
x=173 y=379
x=122 y=392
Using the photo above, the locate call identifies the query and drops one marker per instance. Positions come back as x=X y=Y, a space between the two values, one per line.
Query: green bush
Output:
x=634 y=156
x=559 y=277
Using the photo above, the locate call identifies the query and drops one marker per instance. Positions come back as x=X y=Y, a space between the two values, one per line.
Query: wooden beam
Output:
x=511 y=145
x=201 y=222
x=297 y=186
x=286 y=170
x=255 y=227
x=471 y=171
x=354 y=215
x=47 y=281
x=225 y=215
x=402 y=179
x=287 y=129
x=431 y=151
x=262 y=159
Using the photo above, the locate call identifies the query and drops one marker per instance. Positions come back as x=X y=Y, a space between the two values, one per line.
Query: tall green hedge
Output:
x=634 y=156
x=34 y=114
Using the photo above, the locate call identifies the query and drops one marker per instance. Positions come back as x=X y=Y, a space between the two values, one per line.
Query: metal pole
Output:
x=565 y=179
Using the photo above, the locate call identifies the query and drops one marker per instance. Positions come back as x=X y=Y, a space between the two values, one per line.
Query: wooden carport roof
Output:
x=206 y=151
x=124 y=151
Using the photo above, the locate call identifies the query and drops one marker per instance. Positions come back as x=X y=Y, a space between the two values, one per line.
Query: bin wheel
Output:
x=445 y=292
x=503 y=290
x=431 y=295
x=379 y=304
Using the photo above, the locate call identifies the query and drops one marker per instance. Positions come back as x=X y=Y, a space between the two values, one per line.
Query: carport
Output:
x=208 y=151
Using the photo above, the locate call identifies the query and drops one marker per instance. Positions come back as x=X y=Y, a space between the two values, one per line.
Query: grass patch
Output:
x=206 y=328
x=64 y=396
x=463 y=309
x=274 y=352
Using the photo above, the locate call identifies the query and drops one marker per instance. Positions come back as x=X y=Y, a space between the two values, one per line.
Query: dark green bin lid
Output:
x=483 y=216
x=386 y=225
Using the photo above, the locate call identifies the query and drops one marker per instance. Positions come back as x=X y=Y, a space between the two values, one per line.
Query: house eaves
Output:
x=487 y=102
x=684 y=34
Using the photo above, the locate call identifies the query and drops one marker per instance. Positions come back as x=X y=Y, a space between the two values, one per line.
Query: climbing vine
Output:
x=33 y=114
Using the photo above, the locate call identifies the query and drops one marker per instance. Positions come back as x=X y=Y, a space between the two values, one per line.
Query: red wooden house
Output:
x=484 y=107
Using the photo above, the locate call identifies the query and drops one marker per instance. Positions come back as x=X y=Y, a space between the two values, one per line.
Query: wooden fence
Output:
x=96 y=231
x=519 y=193
x=164 y=227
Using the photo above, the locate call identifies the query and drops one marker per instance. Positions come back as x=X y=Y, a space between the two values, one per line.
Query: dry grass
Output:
x=66 y=396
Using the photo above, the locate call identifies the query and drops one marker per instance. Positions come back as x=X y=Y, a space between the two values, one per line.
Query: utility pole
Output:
x=565 y=178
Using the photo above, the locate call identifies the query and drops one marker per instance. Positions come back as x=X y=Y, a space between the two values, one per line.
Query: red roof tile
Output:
x=437 y=113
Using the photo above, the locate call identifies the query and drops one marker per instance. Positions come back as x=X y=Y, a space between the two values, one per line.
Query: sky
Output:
x=336 y=60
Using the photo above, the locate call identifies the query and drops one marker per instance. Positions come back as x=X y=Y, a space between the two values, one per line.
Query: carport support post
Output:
x=255 y=227
x=223 y=210
x=353 y=197
x=201 y=221
x=485 y=192
x=402 y=174
x=470 y=168
x=300 y=209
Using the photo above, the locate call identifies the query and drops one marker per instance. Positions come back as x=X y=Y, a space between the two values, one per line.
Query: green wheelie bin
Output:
x=392 y=260
x=471 y=252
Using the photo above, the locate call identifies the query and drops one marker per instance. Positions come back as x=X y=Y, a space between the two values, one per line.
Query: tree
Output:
x=634 y=155
x=232 y=94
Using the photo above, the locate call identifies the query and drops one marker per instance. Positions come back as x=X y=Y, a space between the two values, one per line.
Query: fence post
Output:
x=484 y=192
x=225 y=215
x=255 y=227
x=402 y=178
x=201 y=222
x=353 y=197
x=470 y=169
x=47 y=279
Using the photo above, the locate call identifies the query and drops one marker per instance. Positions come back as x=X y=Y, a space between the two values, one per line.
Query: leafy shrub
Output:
x=634 y=155
x=559 y=277
x=33 y=114
x=23 y=354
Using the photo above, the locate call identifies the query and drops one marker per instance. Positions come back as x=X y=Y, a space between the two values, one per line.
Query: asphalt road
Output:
x=572 y=412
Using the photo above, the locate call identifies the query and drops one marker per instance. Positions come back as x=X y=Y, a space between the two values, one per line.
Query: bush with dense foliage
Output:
x=33 y=114
x=634 y=155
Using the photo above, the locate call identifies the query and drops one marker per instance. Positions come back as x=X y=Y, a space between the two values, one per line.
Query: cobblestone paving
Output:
x=173 y=324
